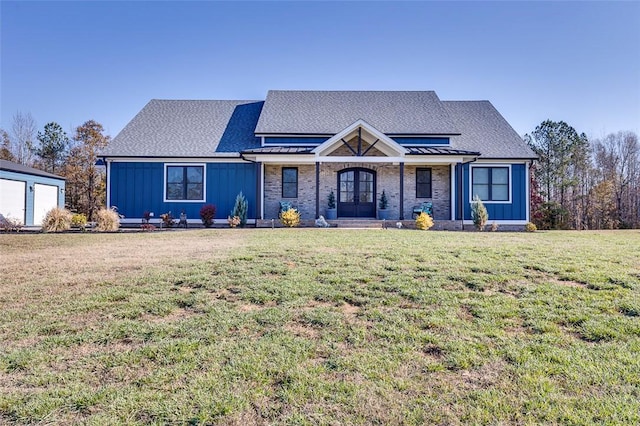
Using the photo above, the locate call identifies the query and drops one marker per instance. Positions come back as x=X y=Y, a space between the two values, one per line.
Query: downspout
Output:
x=461 y=190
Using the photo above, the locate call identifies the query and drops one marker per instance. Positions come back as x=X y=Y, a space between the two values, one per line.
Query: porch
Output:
x=439 y=225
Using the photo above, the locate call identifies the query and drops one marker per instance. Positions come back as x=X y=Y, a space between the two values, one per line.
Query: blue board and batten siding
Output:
x=137 y=187
x=293 y=140
x=421 y=141
x=516 y=210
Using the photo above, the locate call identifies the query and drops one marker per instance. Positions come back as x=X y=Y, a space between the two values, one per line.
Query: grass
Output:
x=307 y=326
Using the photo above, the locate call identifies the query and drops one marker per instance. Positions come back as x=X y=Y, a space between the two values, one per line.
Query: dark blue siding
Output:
x=516 y=210
x=293 y=140
x=421 y=141
x=136 y=187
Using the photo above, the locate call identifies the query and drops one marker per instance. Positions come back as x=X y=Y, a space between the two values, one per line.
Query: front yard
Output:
x=320 y=326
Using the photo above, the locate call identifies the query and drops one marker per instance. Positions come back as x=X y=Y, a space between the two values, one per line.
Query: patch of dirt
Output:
x=176 y=315
x=566 y=283
x=484 y=377
x=349 y=310
x=249 y=307
x=465 y=313
x=302 y=330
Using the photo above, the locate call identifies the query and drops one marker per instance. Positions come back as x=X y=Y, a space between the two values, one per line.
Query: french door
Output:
x=356 y=193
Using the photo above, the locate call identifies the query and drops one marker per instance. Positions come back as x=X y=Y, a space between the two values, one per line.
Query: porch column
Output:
x=317 y=189
x=259 y=190
x=402 y=191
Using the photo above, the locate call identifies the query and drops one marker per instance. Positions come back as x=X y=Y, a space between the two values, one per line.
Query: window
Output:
x=289 y=182
x=184 y=183
x=423 y=183
x=491 y=183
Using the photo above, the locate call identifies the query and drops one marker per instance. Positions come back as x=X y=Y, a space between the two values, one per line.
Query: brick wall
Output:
x=387 y=177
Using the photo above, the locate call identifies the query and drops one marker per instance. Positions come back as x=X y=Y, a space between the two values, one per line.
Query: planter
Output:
x=383 y=214
x=332 y=214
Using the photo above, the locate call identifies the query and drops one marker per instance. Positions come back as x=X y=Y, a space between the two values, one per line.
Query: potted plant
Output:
x=383 y=203
x=332 y=212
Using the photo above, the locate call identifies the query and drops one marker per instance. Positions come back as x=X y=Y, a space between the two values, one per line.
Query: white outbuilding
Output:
x=27 y=194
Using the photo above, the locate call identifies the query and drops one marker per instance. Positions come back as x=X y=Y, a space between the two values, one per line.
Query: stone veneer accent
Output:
x=387 y=177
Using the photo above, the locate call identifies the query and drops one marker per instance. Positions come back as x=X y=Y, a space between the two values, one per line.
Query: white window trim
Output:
x=204 y=182
x=485 y=165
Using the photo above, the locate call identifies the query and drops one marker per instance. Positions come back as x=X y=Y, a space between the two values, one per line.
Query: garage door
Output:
x=12 y=198
x=45 y=198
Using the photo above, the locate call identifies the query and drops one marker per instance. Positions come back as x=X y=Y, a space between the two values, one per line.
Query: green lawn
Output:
x=310 y=326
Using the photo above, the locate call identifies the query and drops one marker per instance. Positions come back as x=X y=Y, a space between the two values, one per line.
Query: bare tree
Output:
x=616 y=158
x=24 y=130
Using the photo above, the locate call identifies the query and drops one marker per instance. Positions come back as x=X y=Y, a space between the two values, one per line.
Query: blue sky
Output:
x=73 y=61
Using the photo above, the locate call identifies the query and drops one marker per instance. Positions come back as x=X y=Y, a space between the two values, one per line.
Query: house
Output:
x=27 y=194
x=298 y=146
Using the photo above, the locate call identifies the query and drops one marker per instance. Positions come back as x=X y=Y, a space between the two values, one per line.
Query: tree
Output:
x=479 y=213
x=562 y=165
x=85 y=181
x=5 y=147
x=536 y=200
x=52 y=147
x=617 y=159
x=24 y=130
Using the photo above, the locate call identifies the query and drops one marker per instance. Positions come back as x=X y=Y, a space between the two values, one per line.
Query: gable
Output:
x=359 y=139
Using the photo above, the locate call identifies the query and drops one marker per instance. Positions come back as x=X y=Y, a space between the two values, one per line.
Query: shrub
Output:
x=9 y=224
x=479 y=213
x=331 y=201
x=108 y=220
x=290 y=218
x=146 y=216
x=79 y=220
x=240 y=209
x=424 y=221
x=530 y=227
x=148 y=227
x=57 y=220
x=494 y=227
x=207 y=214
x=168 y=220
x=233 y=221
x=383 y=203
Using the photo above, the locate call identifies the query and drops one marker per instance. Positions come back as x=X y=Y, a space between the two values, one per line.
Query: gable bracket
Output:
x=370 y=146
x=348 y=146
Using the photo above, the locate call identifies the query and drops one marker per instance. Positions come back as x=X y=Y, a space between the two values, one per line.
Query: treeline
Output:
x=53 y=151
x=579 y=183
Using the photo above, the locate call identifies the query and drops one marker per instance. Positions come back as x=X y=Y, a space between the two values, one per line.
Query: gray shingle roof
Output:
x=188 y=128
x=329 y=112
x=10 y=166
x=484 y=130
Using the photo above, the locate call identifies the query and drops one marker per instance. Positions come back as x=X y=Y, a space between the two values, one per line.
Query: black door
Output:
x=356 y=193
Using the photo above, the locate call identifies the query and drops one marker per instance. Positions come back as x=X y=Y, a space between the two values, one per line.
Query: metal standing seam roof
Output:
x=412 y=150
x=329 y=112
x=10 y=166
x=188 y=128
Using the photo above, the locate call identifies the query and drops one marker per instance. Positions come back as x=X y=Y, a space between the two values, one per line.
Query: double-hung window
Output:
x=184 y=183
x=423 y=183
x=289 y=182
x=491 y=183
